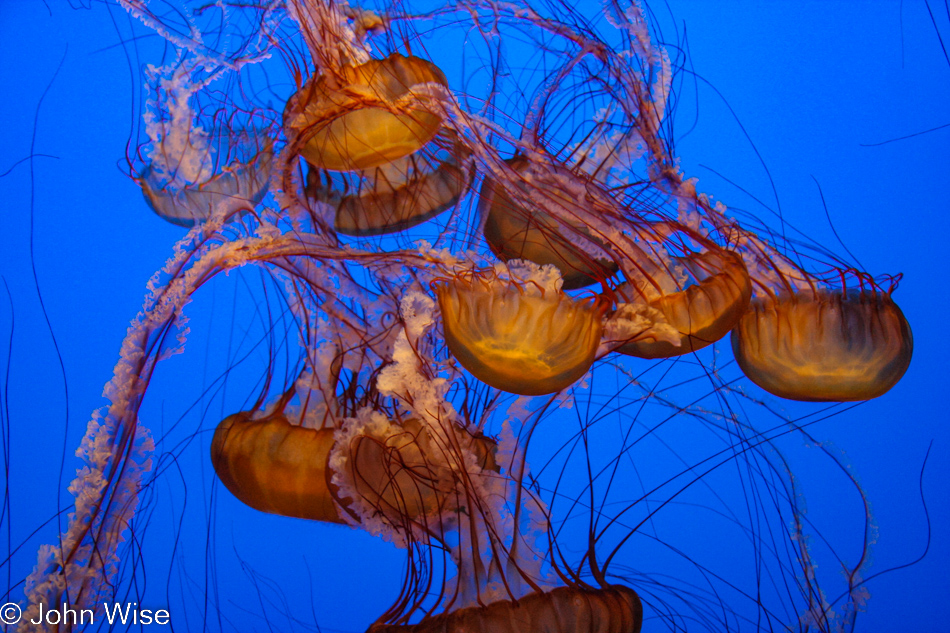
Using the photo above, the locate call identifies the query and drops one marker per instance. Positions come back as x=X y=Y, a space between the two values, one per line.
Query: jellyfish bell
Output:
x=515 y=231
x=191 y=169
x=362 y=116
x=398 y=469
x=613 y=609
x=237 y=187
x=824 y=346
x=274 y=466
x=405 y=471
x=239 y=184
x=700 y=313
x=397 y=195
x=518 y=338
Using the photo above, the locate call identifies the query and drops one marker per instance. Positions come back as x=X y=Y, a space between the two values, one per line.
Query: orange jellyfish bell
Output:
x=363 y=116
x=516 y=232
x=701 y=313
x=274 y=466
x=277 y=467
x=824 y=346
x=397 y=195
x=403 y=472
x=519 y=339
x=614 y=609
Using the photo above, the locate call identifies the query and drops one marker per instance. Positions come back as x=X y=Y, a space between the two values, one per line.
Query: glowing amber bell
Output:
x=702 y=313
x=614 y=609
x=516 y=232
x=360 y=116
x=826 y=346
x=406 y=474
x=395 y=196
x=274 y=466
x=516 y=341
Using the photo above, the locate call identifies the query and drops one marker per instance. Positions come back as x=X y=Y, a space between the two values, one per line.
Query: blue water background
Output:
x=816 y=86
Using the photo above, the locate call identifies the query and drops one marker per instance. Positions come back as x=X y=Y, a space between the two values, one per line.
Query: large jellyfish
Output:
x=447 y=341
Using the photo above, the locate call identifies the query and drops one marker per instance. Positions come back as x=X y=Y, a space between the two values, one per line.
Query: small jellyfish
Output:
x=701 y=313
x=396 y=195
x=613 y=609
x=190 y=169
x=238 y=186
x=824 y=345
x=363 y=116
x=519 y=339
x=515 y=231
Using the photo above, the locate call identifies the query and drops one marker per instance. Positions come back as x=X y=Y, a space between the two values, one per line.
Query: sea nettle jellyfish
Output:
x=525 y=231
x=396 y=195
x=364 y=115
x=519 y=336
x=495 y=399
x=395 y=466
x=698 y=296
x=188 y=172
x=824 y=345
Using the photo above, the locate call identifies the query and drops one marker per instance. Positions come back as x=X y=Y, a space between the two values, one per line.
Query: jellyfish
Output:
x=699 y=313
x=241 y=184
x=826 y=346
x=610 y=610
x=188 y=172
x=274 y=466
x=432 y=396
x=521 y=233
x=362 y=116
x=323 y=465
x=519 y=338
x=396 y=195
